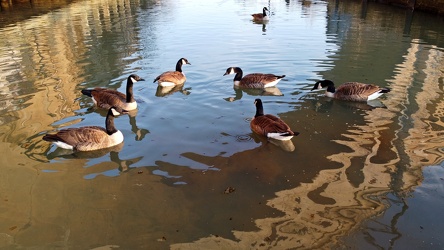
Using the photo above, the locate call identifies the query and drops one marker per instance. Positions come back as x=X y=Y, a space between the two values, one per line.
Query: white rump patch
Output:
x=167 y=84
x=271 y=84
x=374 y=96
x=279 y=136
x=63 y=145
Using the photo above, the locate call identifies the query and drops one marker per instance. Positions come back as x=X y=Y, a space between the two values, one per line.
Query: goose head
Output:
x=322 y=84
x=135 y=78
x=232 y=70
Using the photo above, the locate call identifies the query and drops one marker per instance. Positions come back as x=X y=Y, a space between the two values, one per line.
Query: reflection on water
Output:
x=184 y=146
x=164 y=91
x=239 y=92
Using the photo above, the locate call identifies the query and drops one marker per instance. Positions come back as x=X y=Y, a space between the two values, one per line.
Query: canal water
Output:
x=190 y=173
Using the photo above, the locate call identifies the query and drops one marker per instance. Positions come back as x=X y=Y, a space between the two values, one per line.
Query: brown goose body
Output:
x=88 y=138
x=171 y=78
x=107 y=98
x=254 y=80
x=261 y=16
x=269 y=125
x=352 y=91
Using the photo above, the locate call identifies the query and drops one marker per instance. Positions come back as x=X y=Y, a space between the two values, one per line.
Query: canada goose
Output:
x=90 y=137
x=106 y=98
x=261 y=16
x=171 y=78
x=255 y=80
x=270 y=126
x=351 y=91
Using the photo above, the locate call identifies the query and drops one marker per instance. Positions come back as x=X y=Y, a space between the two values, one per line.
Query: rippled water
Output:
x=190 y=173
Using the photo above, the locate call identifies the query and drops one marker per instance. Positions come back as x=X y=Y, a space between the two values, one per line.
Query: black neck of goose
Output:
x=331 y=88
x=238 y=75
x=129 y=91
x=179 y=65
x=109 y=123
x=264 y=12
x=259 y=109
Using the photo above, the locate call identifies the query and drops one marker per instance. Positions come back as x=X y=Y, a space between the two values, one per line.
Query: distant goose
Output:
x=171 y=78
x=351 y=91
x=90 y=137
x=270 y=126
x=106 y=98
x=255 y=80
x=261 y=16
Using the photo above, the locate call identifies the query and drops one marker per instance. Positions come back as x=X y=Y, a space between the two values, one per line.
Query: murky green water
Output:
x=169 y=184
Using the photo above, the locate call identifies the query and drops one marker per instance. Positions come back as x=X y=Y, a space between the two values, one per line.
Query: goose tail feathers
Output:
x=384 y=90
x=282 y=136
x=51 y=138
x=87 y=92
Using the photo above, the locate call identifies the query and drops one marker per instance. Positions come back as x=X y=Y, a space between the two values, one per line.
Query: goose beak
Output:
x=141 y=79
x=316 y=86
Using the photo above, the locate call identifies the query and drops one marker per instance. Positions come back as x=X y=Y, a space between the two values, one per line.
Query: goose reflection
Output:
x=238 y=93
x=324 y=104
x=70 y=154
x=169 y=90
x=286 y=145
x=139 y=132
x=110 y=170
x=263 y=23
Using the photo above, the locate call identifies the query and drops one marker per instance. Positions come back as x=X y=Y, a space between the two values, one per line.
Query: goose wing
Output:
x=269 y=124
x=257 y=15
x=107 y=98
x=171 y=76
x=258 y=80
x=356 y=90
x=74 y=136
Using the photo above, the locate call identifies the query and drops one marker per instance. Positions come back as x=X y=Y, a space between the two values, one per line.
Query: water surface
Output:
x=170 y=184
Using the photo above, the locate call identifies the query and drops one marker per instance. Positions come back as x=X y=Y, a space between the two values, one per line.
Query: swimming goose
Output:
x=90 y=137
x=270 y=126
x=255 y=80
x=261 y=16
x=351 y=91
x=171 y=78
x=106 y=98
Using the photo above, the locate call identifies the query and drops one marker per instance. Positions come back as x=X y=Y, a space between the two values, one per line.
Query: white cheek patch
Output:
x=115 y=112
x=133 y=80
x=232 y=71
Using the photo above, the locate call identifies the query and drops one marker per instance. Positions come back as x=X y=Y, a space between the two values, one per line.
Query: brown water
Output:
x=190 y=173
